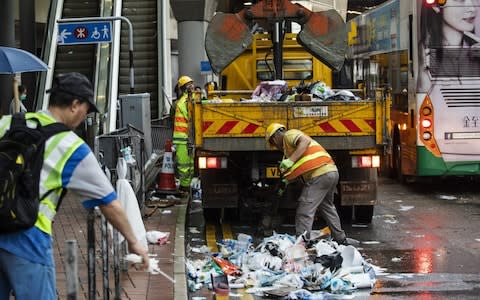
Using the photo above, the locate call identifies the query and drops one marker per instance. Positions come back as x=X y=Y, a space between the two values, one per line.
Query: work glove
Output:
x=281 y=190
x=285 y=165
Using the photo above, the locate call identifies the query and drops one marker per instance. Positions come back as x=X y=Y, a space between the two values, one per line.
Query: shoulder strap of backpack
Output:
x=18 y=119
x=52 y=129
x=47 y=132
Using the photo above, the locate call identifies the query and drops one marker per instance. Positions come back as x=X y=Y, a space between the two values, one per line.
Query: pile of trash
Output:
x=277 y=90
x=283 y=266
x=270 y=91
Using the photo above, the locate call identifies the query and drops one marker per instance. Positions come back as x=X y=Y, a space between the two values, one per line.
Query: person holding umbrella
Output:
x=17 y=102
x=15 y=61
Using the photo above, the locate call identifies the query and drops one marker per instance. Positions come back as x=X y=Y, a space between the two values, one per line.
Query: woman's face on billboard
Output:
x=460 y=14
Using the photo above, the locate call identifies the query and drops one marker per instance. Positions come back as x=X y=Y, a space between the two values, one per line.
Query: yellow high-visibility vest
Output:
x=54 y=160
x=181 y=126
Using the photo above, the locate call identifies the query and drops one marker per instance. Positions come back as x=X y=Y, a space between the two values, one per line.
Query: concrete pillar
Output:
x=191 y=49
x=7 y=38
x=192 y=17
x=27 y=42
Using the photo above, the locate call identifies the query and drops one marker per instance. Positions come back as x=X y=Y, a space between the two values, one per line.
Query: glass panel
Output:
x=293 y=69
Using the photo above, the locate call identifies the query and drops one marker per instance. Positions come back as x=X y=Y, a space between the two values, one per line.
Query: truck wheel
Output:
x=364 y=214
x=211 y=214
x=345 y=213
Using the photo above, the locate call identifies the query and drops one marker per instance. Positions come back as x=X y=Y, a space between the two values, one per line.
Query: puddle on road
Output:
x=421 y=261
x=402 y=261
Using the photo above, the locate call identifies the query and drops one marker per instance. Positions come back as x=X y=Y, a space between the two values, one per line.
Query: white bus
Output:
x=426 y=52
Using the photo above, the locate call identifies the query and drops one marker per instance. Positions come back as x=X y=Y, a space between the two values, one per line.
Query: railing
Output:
x=49 y=52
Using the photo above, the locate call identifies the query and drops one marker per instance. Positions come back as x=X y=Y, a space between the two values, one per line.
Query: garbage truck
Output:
x=236 y=167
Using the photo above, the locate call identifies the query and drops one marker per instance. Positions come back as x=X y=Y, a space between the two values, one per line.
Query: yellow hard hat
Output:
x=271 y=129
x=184 y=80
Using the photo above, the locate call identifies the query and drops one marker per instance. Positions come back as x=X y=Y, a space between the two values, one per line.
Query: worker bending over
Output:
x=308 y=161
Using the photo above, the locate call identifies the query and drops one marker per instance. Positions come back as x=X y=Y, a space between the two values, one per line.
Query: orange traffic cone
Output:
x=166 y=180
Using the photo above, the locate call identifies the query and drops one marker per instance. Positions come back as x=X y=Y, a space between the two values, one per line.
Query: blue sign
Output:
x=84 y=33
x=205 y=67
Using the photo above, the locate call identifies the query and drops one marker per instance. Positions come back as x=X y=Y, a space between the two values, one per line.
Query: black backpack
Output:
x=21 y=160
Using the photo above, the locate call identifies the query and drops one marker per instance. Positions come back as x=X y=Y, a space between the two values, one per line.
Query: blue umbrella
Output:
x=13 y=60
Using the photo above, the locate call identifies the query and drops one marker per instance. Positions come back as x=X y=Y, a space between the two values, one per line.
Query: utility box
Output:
x=135 y=110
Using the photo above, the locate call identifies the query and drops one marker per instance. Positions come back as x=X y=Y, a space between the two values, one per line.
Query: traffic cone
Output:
x=166 y=180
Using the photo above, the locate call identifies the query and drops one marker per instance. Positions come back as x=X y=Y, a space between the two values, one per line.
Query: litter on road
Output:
x=281 y=265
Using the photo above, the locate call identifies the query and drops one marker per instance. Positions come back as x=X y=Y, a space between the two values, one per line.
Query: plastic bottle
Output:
x=192 y=273
x=244 y=241
x=229 y=244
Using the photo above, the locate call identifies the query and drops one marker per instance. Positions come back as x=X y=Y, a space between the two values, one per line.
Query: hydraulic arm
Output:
x=323 y=33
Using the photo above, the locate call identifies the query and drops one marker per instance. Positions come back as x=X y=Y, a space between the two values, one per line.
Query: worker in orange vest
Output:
x=307 y=160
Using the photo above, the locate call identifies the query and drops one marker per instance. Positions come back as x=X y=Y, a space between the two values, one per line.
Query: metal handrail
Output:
x=49 y=53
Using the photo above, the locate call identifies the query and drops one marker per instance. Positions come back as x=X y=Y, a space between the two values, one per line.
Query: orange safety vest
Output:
x=180 y=129
x=313 y=158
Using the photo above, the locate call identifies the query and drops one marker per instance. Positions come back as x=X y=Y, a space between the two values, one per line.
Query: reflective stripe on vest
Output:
x=180 y=129
x=47 y=211
x=5 y=124
x=314 y=157
x=58 y=149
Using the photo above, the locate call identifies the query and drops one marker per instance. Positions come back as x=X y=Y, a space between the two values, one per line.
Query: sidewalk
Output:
x=71 y=224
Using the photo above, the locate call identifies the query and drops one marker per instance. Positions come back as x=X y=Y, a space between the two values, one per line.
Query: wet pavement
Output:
x=425 y=237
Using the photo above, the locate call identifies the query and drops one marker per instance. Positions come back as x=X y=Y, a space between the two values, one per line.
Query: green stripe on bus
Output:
x=430 y=165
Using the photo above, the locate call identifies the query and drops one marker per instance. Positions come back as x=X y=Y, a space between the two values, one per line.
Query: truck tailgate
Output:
x=241 y=126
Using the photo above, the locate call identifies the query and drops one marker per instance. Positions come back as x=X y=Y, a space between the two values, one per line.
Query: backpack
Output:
x=21 y=161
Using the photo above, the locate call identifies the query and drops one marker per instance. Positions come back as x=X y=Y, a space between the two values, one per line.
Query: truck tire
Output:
x=211 y=214
x=364 y=214
x=345 y=213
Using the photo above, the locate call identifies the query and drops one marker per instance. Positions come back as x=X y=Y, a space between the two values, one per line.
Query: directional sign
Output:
x=84 y=33
x=205 y=67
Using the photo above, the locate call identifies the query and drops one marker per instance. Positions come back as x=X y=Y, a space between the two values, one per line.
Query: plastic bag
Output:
x=157 y=237
x=129 y=202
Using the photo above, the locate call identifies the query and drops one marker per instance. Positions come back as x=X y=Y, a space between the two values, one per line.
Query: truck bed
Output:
x=237 y=126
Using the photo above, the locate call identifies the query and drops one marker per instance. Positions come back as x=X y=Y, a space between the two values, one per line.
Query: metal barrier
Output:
x=108 y=148
x=162 y=130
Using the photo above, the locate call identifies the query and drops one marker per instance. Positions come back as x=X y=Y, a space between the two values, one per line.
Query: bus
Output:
x=425 y=52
